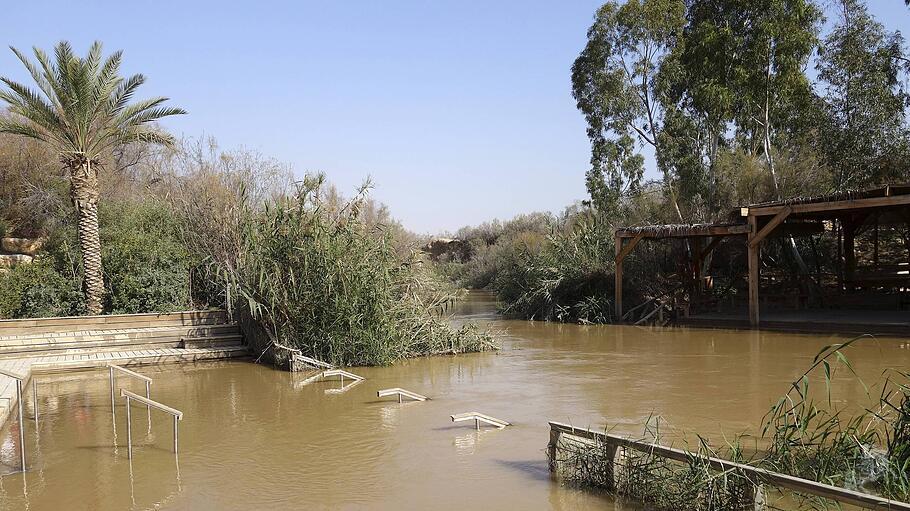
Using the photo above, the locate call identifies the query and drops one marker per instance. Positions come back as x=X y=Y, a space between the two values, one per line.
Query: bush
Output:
x=324 y=281
x=38 y=290
x=146 y=266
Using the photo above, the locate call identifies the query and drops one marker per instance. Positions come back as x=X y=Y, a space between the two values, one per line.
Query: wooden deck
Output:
x=87 y=360
x=32 y=346
x=828 y=321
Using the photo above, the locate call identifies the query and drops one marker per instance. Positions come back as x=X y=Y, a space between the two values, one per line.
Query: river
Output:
x=257 y=438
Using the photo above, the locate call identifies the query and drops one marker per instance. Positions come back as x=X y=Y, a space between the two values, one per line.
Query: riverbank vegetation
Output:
x=140 y=222
x=727 y=104
x=804 y=434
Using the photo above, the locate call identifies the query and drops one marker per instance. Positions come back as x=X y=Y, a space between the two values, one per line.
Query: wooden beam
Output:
x=754 y=260
x=687 y=231
x=617 y=293
x=815 y=207
x=628 y=248
x=710 y=248
x=754 y=474
x=757 y=238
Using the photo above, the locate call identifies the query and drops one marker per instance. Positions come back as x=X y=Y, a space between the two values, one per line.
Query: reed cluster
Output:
x=319 y=279
x=804 y=434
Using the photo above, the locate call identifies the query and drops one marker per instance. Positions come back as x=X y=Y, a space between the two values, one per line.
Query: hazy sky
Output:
x=459 y=111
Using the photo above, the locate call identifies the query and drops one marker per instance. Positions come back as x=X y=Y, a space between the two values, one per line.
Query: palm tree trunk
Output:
x=84 y=193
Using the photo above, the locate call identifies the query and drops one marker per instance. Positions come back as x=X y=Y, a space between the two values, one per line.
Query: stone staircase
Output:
x=127 y=332
x=48 y=345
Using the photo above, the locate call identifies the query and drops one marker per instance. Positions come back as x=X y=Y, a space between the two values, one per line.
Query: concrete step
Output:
x=163 y=338
x=52 y=364
x=213 y=341
x=119 y=333
x=113 y=321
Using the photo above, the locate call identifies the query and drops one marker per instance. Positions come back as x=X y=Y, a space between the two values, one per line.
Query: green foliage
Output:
x=37 y=290
x=322 y=281
x=146 y=264
x=570 y=279
x=614 y=84
x=82 y=106
x=866 y=138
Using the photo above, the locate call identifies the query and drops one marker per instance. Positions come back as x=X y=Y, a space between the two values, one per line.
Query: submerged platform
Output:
x=32 y=346
x=827 y=321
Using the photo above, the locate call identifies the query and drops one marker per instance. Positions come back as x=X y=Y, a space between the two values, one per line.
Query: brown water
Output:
x=254 y=438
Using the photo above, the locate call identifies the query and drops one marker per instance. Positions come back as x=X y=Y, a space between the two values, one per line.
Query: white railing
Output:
x=343 y=374
x=401 y=392
x=19 y=379
x=309 y=362
x=177 y=414
x=478 y=418
x=134 y=375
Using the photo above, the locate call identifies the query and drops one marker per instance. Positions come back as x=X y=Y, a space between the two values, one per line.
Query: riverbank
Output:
x=353 y=450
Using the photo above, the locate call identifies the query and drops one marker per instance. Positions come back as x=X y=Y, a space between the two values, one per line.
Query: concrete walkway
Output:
x=29 y=366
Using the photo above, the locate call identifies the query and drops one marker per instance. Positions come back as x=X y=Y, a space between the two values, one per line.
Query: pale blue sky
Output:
x=460 y=111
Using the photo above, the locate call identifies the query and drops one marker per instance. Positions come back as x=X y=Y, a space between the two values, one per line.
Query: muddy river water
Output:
x=257 y=438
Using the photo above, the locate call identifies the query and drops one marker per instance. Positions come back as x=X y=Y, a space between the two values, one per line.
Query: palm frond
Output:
x=82 y=106
x=29 y=104
x=25 y=130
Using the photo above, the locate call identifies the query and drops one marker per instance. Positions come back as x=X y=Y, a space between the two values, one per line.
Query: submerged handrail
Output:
x=19 y=379
x=478 y=418
x=343 y=374
x=401 y=392
x=789 y=482
x=134 y=375
x=311 y=362
x=130 y=396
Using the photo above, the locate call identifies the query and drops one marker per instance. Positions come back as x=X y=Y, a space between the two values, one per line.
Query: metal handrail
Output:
x=135 y=375
x=311 y=362
x=401 y=392
x=478 y=418
x=19 y=379
x=130 y=396
x=343 y=374
x=789 y=482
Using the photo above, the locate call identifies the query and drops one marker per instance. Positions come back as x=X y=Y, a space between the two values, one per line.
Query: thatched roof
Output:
x=736 y=224
x=683 y=230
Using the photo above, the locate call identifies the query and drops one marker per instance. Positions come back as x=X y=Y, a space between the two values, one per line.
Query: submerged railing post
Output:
x=129 y=430
x=134 y=375
x=401 y=393
x=35 y=397
x=21 y=424
x=130 y=397
x=19 y=379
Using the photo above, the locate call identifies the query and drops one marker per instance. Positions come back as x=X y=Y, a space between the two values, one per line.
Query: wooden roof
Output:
x=802 y=211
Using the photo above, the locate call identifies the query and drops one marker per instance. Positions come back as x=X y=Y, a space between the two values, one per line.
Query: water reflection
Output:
x=257 y=438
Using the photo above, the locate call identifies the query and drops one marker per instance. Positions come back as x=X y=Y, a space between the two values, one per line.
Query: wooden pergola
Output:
x=757 y=222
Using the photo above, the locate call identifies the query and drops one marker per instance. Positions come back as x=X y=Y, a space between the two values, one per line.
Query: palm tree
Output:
x=83 y=111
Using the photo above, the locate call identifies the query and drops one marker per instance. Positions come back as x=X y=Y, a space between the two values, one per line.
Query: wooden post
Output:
x=618 y=291
x=697 y=252
x=552 y=447
x=754 y=260
x=621 y=253
x=849 y=251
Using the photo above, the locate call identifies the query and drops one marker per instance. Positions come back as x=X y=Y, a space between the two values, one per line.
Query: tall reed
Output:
x=321 y=280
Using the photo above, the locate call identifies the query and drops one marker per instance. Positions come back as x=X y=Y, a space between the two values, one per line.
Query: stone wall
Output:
x=16 y=251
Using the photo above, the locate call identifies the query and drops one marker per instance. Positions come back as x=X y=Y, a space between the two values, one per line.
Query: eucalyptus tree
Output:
x=862 y=66
x=745 y=64
x=615 y=85
x=83 y=110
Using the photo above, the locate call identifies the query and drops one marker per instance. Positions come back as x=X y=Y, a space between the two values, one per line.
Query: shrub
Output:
x=147 y=267
x=38 y=290
x=322 y=280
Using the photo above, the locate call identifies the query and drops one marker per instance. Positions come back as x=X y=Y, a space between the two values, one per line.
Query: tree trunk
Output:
x=84 y=191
